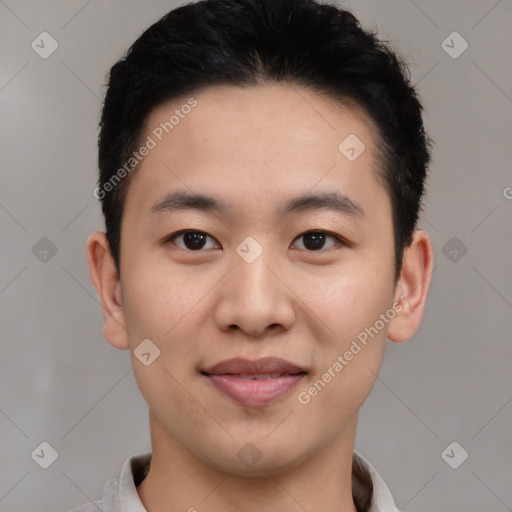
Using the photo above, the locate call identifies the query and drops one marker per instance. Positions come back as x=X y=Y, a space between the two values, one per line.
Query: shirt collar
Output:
x=382 y=500
x=120 y=494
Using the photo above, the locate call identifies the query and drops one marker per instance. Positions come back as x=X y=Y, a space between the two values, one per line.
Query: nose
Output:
x=254 y=298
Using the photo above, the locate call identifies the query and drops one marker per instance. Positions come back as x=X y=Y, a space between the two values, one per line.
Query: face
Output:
x=288 y=255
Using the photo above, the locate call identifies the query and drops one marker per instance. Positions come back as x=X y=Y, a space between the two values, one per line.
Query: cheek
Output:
x=349 y=357
x=344 y=393
x=161 y=307
x=172 y=400
x=351 y=352
x=158 y=299
x=348 y=303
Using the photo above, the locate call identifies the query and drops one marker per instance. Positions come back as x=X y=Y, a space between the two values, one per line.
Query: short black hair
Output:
x=254 y=42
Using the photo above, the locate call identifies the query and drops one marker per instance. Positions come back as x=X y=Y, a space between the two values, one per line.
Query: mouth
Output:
x=262 y=376
x=254 y=383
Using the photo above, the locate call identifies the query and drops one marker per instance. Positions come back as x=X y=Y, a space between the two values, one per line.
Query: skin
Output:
x=254 y=148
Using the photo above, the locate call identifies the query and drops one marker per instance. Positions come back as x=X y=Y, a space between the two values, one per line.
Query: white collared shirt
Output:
x=120 y=494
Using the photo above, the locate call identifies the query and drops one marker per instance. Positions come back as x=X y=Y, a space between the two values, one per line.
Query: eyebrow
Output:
x=328 y=201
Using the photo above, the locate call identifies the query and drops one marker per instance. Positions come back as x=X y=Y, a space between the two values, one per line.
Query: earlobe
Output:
x=412 y=287
x=108 y=286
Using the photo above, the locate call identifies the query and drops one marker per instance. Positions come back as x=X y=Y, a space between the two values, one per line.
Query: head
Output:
x=301 y=140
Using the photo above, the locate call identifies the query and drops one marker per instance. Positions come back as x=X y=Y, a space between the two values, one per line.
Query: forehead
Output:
x=233 y=114
x=255 y=140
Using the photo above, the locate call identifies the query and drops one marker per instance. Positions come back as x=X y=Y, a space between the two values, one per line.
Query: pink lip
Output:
x=226 y=376
x=254 y=393
x=241 y=366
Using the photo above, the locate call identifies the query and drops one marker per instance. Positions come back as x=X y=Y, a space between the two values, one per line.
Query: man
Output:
x=262 y=165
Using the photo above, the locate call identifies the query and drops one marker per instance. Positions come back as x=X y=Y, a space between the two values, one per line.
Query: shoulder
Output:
x=109 y=492
x=121 y=491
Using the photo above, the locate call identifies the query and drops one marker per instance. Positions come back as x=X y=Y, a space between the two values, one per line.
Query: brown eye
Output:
x=317 y=240
x=193 y=240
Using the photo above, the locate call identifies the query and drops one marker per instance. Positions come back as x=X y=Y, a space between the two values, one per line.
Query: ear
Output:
x=412 y=287
x=108 y=286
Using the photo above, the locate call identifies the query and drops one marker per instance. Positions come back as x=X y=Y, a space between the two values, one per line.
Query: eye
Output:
x=317 y=240
x=193 y=240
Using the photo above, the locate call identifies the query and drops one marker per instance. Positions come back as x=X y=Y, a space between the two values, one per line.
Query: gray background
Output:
x=60 y=382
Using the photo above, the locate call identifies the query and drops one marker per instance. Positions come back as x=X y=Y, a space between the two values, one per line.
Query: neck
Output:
x=178 y=480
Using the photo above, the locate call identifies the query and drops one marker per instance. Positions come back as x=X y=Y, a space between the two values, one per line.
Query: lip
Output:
x=238 y=379
x=241 y=366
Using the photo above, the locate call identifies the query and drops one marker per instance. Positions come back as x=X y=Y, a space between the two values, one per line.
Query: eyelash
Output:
x=339 y=241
